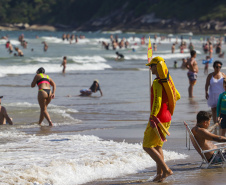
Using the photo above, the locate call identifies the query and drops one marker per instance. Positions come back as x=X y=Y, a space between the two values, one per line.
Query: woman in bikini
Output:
x=44 y=94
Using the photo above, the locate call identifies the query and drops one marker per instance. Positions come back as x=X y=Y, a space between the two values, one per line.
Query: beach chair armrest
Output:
x=219 y=144
x=217 y=149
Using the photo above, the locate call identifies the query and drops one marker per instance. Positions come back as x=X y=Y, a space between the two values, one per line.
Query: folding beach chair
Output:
x=202 y=152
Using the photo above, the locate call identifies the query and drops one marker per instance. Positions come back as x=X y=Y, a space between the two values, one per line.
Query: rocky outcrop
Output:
x=119 y=20
x=150 y=23
x=26 y=26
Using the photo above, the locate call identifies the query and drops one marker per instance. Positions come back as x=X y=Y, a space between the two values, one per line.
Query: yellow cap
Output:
x=155 y=60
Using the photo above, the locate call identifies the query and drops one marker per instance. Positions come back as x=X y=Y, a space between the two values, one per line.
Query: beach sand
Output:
x=186 y=171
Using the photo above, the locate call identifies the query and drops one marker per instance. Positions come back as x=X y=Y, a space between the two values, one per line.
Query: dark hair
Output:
x=203 y=116
x=41 y=70
x=193 y=52
x=216 y=62
x=65 y=57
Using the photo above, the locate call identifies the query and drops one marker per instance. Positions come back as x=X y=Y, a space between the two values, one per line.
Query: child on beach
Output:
x=221 y=109
x=64 y=63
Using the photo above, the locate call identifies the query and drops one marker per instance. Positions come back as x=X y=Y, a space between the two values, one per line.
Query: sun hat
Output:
x=155 y=60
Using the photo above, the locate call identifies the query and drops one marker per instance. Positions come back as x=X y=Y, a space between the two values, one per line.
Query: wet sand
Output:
x=186 y=171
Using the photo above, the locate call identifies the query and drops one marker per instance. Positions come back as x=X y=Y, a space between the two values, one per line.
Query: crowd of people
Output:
x=72 y=38
x=43 y=81
x=160 y=117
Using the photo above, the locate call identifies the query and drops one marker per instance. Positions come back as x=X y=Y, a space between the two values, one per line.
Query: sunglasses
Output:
x=218 y=67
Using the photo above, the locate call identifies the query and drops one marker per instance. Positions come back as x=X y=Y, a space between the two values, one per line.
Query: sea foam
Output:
x=71 y=159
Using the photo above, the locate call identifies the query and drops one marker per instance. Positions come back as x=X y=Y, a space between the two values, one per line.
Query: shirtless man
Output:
x=173 y=48
x=204 y=137
x=210 y=49
x=64 y=63
x=10 y=48
x=45 y=48
x=3 y=115
x=192 y=66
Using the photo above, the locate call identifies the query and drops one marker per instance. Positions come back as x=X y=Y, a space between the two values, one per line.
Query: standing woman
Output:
x=44 y=94
x=214 y=82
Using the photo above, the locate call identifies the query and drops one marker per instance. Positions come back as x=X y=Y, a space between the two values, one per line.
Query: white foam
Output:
x=61 y=41
x=23 y=104
x=87 y=59
x=52 y=40
x=71 y=159
x=50 y=68
x=112 y=32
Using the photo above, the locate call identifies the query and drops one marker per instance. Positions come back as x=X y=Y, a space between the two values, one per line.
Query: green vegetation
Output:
x=76 y=12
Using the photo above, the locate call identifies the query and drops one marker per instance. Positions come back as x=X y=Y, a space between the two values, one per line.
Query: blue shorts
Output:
x=223 y=121
x=192 y=76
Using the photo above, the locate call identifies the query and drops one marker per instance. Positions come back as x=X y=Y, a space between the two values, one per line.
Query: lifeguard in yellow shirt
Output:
x=163 y=100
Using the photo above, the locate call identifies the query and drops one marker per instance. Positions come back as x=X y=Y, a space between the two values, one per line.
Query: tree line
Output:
x=76 y=12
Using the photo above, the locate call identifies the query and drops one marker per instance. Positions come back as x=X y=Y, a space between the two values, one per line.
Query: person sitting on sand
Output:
x=93 y=89
x=4 y=118
x=204 y=137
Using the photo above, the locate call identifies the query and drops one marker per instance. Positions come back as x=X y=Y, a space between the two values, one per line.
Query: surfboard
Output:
x=168 y=84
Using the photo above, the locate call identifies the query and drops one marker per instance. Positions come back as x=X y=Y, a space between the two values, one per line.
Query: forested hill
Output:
x=108 y=13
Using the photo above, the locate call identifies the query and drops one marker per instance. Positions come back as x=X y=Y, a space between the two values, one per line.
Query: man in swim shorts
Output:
x=154 y=135
x=204 y=137
x=192 y=66
x=4 y=118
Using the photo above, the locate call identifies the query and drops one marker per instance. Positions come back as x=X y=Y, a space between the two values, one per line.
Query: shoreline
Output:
x=136 y=29
x=186 y=171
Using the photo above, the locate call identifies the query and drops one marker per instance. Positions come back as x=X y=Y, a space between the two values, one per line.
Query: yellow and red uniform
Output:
x=159 y=109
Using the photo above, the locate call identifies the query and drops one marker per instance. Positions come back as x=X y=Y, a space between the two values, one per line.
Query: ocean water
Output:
x=91 y=135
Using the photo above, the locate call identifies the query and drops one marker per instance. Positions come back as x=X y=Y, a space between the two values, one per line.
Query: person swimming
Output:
x=45 y=95
x=119 y=56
